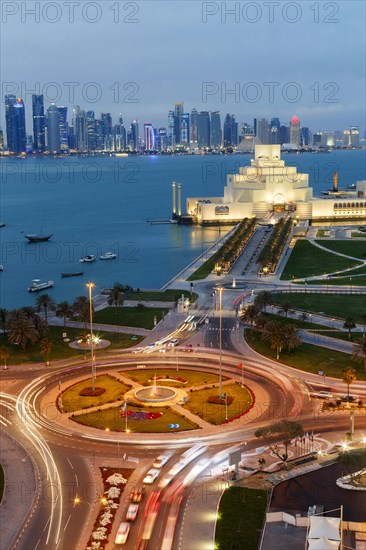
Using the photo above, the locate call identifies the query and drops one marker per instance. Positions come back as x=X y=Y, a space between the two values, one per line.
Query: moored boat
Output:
x=88 y=258
x=38 y=238
x=108 y=256
x=74 y=274
x=38 y=285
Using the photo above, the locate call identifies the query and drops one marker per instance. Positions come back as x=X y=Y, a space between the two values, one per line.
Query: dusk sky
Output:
x=164 y=51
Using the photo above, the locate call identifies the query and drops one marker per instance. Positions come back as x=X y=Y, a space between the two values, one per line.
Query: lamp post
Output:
x=90 y=287
x=220 y=289
x=225 y=395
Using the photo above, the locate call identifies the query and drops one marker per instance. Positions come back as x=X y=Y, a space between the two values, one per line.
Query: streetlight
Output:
x=220 y=289
x=225 y=395
x=90 y=287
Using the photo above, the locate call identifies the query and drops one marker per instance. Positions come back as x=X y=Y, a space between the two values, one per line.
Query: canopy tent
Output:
x=324 y=527
x=323 y=544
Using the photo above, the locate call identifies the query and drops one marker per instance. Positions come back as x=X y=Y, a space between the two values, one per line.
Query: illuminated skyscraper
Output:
x=53 y=129
x=149 y=137
x=15 y=124
x=80 y=128
x=216 y=132
x=39 y=143
x=295 y=131
x=203 y=129
x=64 y=129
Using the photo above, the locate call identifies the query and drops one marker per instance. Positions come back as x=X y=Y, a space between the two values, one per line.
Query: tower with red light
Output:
x=295 y=131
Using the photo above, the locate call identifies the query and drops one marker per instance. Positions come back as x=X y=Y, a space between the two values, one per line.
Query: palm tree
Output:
x=116 y=296
x=46 y=348
x=64 y=310
x=21 y=329
x=250 y=315
x=81 y=308
x=293 y=340
x=286 y=309
x=363 y=321
x=303 y=316
x=348 y=377
x=3 y=316
x=349 y=324
x=46 y=303
x=274 y=334
x=4 y=355
x=263 y=299
x=359 y=352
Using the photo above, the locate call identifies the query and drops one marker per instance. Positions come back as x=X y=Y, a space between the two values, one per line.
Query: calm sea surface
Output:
x=92 y=205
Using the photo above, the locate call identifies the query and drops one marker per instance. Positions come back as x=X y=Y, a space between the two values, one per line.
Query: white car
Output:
x=122 y=533
x=132 y=512
x=151 y=476
x=322 y=394
x=161 y=460
x=173 y=342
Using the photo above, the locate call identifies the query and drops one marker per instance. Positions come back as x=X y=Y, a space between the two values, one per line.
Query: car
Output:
x=137 y=350
x=132 y=512
x=151 y=476
x=173 y=342
x=188 y=350
x=161 y=460
x=136 y=495
x=163 y=349
x=322 y=394
x=349 y=398
x=122 y=533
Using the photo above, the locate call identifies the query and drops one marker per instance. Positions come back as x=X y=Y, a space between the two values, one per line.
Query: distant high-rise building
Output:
x=80 y=128
x=99 y=135
x=120 y=135
x=64 y=129
x=149 y=137
x=39 y=143
x=71 y=138
x=162 y=139
x=1 y=139
x=53 y=129
x=263 y=131
x=295 y=131
x=216 y=132
x=184 y=130
x=107 y=129
x=284 y=134
x=274 y=131
x=230 y=131
x=171 y=135
x=203 y=129
x=178 y=113
x=90 y=124
x=15 y=124
x=305 y=137
x=193 y=135
x=135 y=135
x=351 y=137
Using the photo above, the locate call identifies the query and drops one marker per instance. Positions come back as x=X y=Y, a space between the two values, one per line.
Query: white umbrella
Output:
x=323 y=544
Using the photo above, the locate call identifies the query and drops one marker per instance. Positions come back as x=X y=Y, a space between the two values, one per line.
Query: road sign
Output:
x=173 y=426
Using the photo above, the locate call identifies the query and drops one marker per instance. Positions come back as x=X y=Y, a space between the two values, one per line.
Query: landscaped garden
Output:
x=356 y=249
x=139 y=420
x=240 y=518
x=205 y=403
x=193 y=378
x=143 y=317
x=308 y=260
x=78 y=396
x=307 y=357
x=170 y=295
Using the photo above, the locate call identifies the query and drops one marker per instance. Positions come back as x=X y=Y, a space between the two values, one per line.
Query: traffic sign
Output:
x=173 y=426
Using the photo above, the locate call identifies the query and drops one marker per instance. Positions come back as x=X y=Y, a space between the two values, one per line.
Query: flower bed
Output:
x=246 y=410
x=140 y=415
x=113 y=485
x=170 y=379
x=223 y=401
x=89 y=392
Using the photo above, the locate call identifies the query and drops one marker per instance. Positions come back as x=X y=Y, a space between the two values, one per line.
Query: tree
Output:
x=250 y=315
x=4 y=355
x=274 y=334
x=348 y=377
x=81 y=308
x=292 y=337
x=285 y=430
x=116 y=296
x=261 y=463
x=303 y=316
x=263 y=299
x=286 y=309
x=45 y=303
x=363 y=321
x=359 y=352
x=3 y=316
x=349 y=324
x=46 y=348
x=64 y=310
x=21 y=329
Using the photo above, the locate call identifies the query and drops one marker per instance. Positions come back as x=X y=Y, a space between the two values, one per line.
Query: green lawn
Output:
x=205 y=269
x=341 y=335
x=308 y=357
x=240 y=519
x=216 y=414
x=142 y=376
x=169 y=295
x=293 y=320
x=307 y=260
x=2 y=481
x=61 y=349
x=358 y=235
x=110 y=419
x=341 y=281
x=356 y=249
x=341 y=306
x=72 y=401
x=130 y=316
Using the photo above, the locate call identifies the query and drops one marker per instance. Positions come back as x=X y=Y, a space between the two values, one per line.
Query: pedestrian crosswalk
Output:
x=216 y=329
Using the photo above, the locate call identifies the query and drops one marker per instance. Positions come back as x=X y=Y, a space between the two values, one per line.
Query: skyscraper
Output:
x=203 y=129
x=216 y=132
x=149 y=137
x=193 y=134
x=1 y=139
x=15 y=124
x=171 y=136
x=120 y=135
x=107 y=130
x=53 y=129
x=263 y=133
x=178 y=113
x=230 y=131
x=135 y=135
x=184 y=130
x=90 y=124
x=64 y=129
x=39 y=143
x=80 y=129
x=295 y=131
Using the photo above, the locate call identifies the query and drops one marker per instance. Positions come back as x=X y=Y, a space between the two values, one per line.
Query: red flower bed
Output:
x=88 y=392
x=173 y=378
x=216 y=399
x=246 y=410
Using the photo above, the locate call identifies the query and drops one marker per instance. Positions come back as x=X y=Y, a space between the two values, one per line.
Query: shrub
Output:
x=220 y=401
x=88 y=392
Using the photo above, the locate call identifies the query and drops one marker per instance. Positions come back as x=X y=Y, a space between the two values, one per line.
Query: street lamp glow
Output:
x=90 y=287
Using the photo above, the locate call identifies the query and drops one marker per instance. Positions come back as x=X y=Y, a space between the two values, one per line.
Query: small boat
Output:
x=89 y=258
x=108 y=256
x=2 y=224
x=1 y=267
x=74 y=274
x=38 y=238
x=38 y=285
